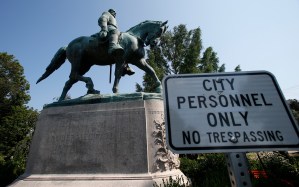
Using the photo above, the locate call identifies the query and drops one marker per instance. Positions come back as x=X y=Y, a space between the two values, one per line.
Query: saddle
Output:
x=106 y=39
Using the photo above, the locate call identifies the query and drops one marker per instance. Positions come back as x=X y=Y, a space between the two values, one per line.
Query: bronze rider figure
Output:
x=108 y=25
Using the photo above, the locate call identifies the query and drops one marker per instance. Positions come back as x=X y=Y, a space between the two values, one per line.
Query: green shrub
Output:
x=210 y=170
x=206 y=170
x=281 y=169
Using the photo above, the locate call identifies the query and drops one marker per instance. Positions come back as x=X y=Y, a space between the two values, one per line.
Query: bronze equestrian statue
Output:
x=86 y=51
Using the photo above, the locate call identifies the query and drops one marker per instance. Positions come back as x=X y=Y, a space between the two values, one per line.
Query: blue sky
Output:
x=255 y=34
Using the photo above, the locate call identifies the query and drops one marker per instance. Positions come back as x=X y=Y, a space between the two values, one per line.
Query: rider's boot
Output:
x=115 y=50
x=127 y=70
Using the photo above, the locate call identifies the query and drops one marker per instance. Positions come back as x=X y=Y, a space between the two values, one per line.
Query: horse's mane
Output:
x=142 y=23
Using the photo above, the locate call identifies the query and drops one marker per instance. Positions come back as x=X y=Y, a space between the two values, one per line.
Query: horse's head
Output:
x=149 y=31
x=153 y=37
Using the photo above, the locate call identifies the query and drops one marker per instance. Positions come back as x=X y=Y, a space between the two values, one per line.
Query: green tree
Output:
x=14 y=87
x=238 y=68
x=210 y=63
x=17 y=121
x=181 y=48
x=294 y=106
x=192 y=54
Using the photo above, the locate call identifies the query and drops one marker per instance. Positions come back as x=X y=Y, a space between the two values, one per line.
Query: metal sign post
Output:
x=237 y=166
x=228 y=113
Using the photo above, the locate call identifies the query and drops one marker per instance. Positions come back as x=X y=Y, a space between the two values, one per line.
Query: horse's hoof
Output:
x=115 y=90
x=159 y=89
x=96 y=92
x=93 y=92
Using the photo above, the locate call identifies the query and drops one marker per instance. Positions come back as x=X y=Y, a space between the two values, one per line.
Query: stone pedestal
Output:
x=102 y=144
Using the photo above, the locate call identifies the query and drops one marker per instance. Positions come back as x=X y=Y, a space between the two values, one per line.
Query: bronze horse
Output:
x=86 y=51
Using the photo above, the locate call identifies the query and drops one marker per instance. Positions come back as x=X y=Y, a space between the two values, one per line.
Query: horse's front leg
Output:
x=142 y=64
x=117 y=74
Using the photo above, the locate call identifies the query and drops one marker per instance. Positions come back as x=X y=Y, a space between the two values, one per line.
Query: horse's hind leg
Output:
x=89 y=85
x=67 y=87
x=77 y=74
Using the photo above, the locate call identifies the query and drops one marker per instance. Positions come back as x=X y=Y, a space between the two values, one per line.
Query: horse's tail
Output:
x=58 y=59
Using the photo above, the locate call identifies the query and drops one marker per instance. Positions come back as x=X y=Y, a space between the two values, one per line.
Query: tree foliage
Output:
x=209 y=62
x=179 y=52
x=294 y=105
x=17 y=121
x=238 y=68
x=13 y=85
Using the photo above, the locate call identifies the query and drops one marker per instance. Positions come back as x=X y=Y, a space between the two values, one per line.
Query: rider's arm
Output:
x=103 y=20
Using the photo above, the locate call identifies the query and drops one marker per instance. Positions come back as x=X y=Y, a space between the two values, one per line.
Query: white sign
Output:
x=227 y=112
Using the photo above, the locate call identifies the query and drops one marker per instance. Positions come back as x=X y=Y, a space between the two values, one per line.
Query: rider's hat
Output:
x=111 y=11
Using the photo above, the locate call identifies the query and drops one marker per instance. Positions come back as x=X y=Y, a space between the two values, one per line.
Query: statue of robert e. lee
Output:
x=108 y=47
